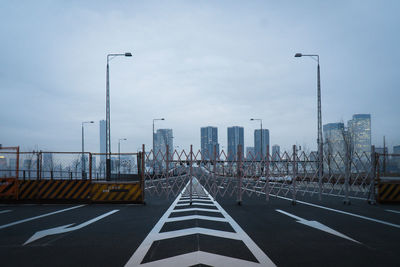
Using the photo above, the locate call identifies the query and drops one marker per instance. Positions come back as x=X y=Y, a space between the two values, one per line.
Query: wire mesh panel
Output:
x=124 y=167
x=9 y=158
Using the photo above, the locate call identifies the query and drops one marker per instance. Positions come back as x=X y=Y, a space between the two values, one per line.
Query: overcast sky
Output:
x=196 y=63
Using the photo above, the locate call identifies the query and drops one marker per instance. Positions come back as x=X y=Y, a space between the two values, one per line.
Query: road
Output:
x=171 y=232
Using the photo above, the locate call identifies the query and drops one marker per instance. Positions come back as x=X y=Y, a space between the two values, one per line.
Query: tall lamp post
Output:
x=119 y=154
x=319 y=138
x=83 y=149
x=108 y=138
x=262 y=147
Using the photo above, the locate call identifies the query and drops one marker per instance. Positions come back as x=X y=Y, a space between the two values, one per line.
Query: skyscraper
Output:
x=258 y=150
x=360 y=133
x=334 y=134
x=209 y=141
x=162 y=138
x=276 y=151
x=250 y=153
x=235 y=138
x=102 y=126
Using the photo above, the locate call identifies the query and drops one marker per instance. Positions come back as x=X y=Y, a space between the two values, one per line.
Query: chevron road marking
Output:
x=198 y=257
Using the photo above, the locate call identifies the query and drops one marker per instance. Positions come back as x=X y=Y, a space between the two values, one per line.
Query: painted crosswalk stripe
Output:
x=4 y=211
x=197 y=257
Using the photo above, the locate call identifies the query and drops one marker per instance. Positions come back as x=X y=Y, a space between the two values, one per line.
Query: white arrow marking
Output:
x=64 y=229
x=318 y=226
x=4 y=211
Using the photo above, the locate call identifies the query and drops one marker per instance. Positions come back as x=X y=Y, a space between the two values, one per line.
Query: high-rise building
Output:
x=258 y=150
x=276 y=152
x=102 y=141
x=235 y=138
x=209 y=142
x=360 y=133
x=250 y=153
x=334 y=137
x=162 y=138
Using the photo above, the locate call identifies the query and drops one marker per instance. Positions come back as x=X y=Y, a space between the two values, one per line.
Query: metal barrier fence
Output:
x=388 y=177
x=68 y=176
x=291 y=174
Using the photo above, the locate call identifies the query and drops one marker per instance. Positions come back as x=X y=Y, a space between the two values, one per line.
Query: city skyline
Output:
x=221 y=65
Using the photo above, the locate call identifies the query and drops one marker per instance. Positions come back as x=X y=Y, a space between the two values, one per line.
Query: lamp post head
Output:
x=252 y=119
x=128 y=54
x=298 y=55
x=91 y=121
x=162 y=119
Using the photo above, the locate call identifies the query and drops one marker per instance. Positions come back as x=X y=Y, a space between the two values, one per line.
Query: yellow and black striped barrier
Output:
x=50 y=191
x=116 y=192
x=388 y=192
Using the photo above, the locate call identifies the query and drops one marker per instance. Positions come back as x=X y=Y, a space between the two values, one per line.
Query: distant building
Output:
x=258 y=150
x=103 y=137
x=235 y=138
x=334 y=136
x=250 y=153
x=162 y=139
x=276 y=151
x=209 y=142
x=396 y=149
x=381 y=150
x=360 y=132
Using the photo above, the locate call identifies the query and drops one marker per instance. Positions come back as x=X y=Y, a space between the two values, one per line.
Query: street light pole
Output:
x=108 y=130
x=119 y=154
x=319 y=138
x=83 y=149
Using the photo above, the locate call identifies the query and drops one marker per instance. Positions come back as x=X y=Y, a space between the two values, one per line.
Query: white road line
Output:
x=210 y=259
x=199 y=217
x=199 y=256
x=395 y=211
x=196 y=209
x=194 y=203
x=338 y=211
x=198 y=230
x=4 y=211
x=38 y=217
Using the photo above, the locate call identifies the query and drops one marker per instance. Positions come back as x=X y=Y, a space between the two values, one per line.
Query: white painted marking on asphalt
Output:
x=64 y=229
x=4 y=211
x=194 y=203
x=38 y=217
x=199 y=217
x=338 y=211
x=199 y=256
x=395 y=211
x=318 y=225
x=195 y=209
x=206 y=258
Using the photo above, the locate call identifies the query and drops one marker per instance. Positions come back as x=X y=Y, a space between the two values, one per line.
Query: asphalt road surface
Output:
x=210 y=232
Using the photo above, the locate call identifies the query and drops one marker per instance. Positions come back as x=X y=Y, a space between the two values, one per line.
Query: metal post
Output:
x=214 y=172
x=90 y=166
x=347 y=176
x=374 y=160
x=320 y=140
x=267 y=175
x=119 y=159
x=239 y=173
x=166 y=168
x=294 y=175
x=143 y=168
x=191 y=173
x=108 y=140
x=83 y=151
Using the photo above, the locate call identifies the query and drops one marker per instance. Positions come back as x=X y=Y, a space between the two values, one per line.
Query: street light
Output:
x=319 y=138
x=83 y=149
x=108 y=138
x=119 y=154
